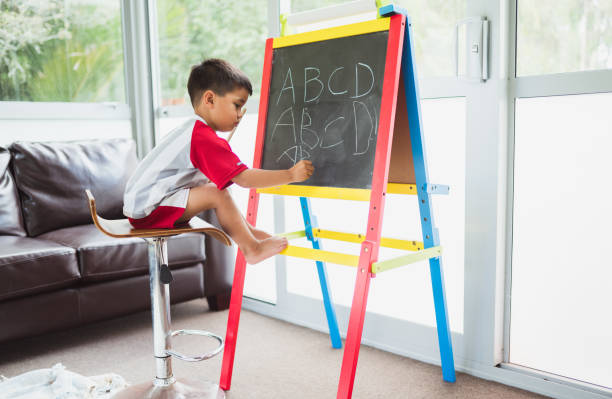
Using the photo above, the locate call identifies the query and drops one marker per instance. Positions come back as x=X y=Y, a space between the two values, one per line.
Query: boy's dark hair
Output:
x=217 y=75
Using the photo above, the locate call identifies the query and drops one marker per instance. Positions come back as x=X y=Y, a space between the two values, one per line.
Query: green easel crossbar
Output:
x=294 y=234
x=424 y=254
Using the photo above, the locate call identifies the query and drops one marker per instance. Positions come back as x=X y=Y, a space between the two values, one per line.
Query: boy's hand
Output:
x=301 y=171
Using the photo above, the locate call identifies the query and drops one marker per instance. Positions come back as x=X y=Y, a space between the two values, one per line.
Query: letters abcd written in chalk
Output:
x=324 y=106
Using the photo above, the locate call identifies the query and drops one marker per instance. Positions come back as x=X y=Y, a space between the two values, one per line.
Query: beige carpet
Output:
x=274 y=359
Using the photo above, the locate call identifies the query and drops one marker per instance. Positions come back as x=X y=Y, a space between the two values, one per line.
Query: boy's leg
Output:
x=208 y=196
x=257 y=233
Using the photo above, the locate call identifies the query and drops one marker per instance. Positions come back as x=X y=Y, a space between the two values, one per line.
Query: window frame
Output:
x=59 y=110
x=12 y=110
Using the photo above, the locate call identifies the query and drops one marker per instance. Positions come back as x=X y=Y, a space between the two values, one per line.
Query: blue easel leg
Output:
x=310 y=222
x=444 y=339
x=430 y=234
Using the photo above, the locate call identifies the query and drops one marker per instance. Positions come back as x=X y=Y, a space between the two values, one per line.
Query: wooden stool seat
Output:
x=121 y=228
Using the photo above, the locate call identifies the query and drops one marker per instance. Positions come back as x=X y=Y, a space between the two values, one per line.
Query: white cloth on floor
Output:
x=59 y=383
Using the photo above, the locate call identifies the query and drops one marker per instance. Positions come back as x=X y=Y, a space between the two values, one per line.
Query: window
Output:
x=563 y=36
x=61 y=51
x=306 y=5
x=433 y=24
x=192 y=30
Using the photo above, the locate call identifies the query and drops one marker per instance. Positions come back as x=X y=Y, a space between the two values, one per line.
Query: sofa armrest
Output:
x=219 y=267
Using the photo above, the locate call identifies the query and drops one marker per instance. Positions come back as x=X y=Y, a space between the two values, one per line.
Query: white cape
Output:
x=59 y=383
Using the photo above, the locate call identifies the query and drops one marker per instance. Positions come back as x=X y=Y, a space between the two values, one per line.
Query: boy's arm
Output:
x=260 y=178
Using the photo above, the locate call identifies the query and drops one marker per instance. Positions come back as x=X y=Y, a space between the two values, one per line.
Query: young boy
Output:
x=189 y=171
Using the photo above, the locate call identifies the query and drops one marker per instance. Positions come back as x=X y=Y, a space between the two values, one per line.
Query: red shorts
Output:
x=163 y=217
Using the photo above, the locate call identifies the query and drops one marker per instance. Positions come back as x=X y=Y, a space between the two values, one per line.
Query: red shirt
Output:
x=213 y=156
x=157 y=189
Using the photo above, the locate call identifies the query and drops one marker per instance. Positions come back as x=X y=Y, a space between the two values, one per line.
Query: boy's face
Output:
x=224 y=112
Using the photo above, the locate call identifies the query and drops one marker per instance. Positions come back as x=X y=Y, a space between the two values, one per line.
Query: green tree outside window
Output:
x=192 y=30
x=61 y=50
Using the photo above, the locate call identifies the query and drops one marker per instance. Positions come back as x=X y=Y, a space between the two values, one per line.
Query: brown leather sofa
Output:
x=56 y=269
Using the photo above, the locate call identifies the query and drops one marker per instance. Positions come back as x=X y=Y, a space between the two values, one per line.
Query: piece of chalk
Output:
x=235 y=127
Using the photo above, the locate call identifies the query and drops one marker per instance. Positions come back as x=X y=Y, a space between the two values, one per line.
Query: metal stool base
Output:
x=181 y=389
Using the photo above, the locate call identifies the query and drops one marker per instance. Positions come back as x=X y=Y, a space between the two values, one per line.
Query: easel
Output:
x=387 y=178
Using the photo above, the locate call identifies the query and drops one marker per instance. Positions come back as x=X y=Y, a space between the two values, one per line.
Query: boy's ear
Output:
x=208 y=97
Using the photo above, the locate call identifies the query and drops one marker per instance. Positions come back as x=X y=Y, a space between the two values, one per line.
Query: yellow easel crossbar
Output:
x=359 y=238
x=353 y=260
x=359 y=28
x=349 y=194
x=319 y=254
x=395 y=243
x=385 y=265
x=401 y=188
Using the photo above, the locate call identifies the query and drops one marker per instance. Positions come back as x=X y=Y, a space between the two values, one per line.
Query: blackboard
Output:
x=324 y=106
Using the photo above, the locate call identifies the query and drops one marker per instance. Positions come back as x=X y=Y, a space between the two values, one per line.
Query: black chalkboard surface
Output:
x=324 y=106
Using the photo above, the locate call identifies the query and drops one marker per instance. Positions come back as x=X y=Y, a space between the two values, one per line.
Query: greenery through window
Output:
x=556 y=36
x=193 y=30
x=61 y=50
x=306 y=5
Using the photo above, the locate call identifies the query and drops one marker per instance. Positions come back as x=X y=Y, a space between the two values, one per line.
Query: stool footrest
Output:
x=198 y=358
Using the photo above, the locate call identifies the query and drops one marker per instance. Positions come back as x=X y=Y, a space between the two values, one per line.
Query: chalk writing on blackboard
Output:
x=323 y=105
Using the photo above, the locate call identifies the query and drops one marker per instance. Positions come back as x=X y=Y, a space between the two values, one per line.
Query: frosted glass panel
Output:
x=403 y=293
x=561 y=268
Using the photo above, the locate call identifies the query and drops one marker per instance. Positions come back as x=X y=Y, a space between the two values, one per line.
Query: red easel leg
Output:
x=232 y=323
x=236 y=302
x=353 y=335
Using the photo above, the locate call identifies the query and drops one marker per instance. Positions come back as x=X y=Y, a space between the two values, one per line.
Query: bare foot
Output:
x=264 y=249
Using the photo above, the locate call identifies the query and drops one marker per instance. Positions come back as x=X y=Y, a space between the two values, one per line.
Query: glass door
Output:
x=561 y=274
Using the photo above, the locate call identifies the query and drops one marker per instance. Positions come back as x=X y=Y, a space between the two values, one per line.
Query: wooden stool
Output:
x=164 y=385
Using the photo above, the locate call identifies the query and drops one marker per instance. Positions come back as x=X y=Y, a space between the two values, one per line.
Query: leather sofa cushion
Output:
x=52 y=178
x=10 y=208
x=29 y=265
x=132 y=294
x=58 y=310
x=106 y=258
x=38 y=314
